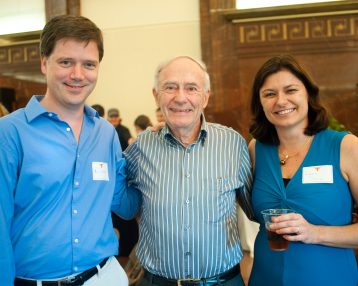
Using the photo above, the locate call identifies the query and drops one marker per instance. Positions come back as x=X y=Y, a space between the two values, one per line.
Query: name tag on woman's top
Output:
x=317 y=174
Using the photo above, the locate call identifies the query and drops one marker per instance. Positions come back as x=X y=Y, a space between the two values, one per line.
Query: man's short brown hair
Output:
x=68 y=26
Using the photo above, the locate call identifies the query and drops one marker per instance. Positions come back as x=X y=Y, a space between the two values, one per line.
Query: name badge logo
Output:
x=100 y=171
x=317 y=174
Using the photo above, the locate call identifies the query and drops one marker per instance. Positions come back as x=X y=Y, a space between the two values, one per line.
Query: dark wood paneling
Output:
x=23 y=89
x=62 y=7
x=20 y=56
x=234 y=47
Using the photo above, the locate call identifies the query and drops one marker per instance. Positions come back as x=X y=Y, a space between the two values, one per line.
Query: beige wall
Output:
x=139 y=34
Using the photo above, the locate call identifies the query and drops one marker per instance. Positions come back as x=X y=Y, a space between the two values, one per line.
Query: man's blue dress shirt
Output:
x=56 y=194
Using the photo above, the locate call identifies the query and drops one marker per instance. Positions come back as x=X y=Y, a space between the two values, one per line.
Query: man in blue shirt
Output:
x=62 y=172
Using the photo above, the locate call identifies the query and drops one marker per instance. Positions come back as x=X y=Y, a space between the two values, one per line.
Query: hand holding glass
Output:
x=276 y=241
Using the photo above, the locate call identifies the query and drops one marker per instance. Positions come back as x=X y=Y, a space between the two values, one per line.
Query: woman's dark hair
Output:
x=263 y=130
x=69 y=26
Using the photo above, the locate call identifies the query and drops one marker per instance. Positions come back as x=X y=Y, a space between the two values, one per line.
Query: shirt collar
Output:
x=91 y=112
x=169 y=136
x=35 y=109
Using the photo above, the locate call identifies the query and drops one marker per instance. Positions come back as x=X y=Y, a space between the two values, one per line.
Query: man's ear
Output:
x=155 y=94
x=43 y=64
x=206 y=98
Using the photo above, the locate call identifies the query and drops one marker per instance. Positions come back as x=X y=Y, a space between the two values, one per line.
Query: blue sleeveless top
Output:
x=320 y=203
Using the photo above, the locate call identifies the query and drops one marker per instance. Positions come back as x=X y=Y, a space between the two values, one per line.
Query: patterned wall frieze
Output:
x=19 y=54
x=323 y=37
x=316 y=29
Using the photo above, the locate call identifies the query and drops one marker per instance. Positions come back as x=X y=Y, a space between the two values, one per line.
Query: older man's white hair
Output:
x=200 y=63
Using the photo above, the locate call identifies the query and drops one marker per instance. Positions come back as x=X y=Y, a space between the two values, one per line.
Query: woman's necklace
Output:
x=283 y=157
x=283 y=161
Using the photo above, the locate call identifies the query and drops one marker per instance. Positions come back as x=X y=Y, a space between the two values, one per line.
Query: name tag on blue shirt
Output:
x=317 y=174
x=100 y=171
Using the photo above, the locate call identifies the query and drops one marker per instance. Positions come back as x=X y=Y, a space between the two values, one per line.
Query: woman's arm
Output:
x=338 y=236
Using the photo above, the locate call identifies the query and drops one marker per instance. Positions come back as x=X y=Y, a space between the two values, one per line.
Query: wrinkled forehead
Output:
x=182 y=70
x=181 y=60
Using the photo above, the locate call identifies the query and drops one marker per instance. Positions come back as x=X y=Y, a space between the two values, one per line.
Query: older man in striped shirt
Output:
x=191 y=174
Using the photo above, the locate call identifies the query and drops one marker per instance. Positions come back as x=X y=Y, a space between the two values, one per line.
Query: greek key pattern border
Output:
x=310 y=29
x=19 y=54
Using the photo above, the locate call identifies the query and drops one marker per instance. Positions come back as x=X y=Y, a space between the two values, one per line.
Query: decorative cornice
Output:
x=20 y=38
x=322 y=29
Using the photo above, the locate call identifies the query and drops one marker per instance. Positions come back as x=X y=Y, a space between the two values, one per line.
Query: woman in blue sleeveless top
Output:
x=300 y=165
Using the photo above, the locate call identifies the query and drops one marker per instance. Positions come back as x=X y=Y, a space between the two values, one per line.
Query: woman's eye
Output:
x=291 y=90
x=269 y=94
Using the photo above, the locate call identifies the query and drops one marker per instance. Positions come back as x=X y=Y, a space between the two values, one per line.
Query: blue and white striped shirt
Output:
x=188 y=223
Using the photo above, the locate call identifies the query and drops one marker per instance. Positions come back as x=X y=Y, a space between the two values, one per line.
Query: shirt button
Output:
x=75 y=268
x=77 y=183
x=187 y=201
x=187 y=253
x=75 y=211
x=76 y=240
x=50 y=114
x=187 y=227
x=68 y=129
x=187 y=175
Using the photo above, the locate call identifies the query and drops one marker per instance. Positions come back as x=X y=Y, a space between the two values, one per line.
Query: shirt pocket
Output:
x=219 y=193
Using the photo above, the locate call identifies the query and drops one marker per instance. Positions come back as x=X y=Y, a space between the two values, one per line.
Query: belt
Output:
x=214 y=280
x=77 y=280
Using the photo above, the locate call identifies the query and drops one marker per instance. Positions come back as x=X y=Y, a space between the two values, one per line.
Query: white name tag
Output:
x=100 y=171
x=317 y=174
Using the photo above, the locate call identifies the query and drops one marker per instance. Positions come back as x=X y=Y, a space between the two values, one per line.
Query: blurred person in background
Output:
x=159 y=115
x=141 y=123
x=123 y=132
x=127 y=230
x=3 y=110
x=99 y=108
